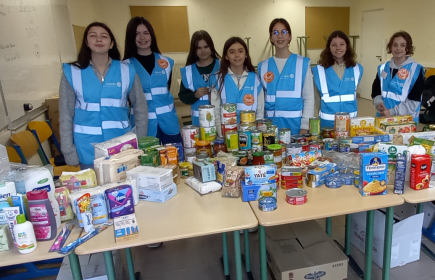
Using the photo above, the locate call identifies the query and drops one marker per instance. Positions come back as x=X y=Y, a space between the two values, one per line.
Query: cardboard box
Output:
x=254 y=192
x=304 y=251
x=151 y=178
x=125 y=227
x=158 y=196
x=398 y=128
x=175 y=172
x=406 y=238
x=361 y=125
x=114 y=168
x=398 y=119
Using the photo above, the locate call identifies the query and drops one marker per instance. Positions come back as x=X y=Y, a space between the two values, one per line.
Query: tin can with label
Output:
x=344 y=148
x=242 y=157
x=267 y=203
x=257 y=148
x=299 y=139
x=316 y=145
x=228 y=113
x=354 y=148
x=293 y=149
x=342 y=121
x=296 y=196
x=247 y=116
x=207 y=117
x=305 y=146
x=250 y=126
x=189 y=151
x=285 y=136
x=345 y=140
x=330 y=144
x=333 y=182
x=191 y=157
x=276 y=130
x=244 y=139
x=228 y=127
x=268 y=157
x=232 y=139
x=190 y=134
x=263 y=124
x=307 y=136
x=314 y=124
x=268 y=138
x=339 y=134
x=256 y=137
x=207 y=133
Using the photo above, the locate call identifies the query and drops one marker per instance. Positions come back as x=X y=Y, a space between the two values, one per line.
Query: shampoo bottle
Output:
x=25 y=235
x=42 y=215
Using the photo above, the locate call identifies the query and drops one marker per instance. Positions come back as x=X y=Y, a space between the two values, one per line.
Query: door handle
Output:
x=379 y=57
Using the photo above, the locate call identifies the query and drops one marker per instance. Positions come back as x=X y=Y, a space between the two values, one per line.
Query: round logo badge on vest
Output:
x=269 y=76
x=248 y=99
x=402 y=74
x=163 y=63
x=118 y=84
x=292 y=76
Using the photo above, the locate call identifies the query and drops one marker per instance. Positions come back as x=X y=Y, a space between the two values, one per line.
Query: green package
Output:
x=148 y=141
x=152 y=158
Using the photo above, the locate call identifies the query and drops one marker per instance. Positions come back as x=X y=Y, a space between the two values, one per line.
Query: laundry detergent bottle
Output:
x=42 y=215
x=41 y=179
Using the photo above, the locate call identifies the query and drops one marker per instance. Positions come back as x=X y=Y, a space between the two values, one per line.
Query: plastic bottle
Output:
x=41 y=179
x=42 y=215
x=25 y=235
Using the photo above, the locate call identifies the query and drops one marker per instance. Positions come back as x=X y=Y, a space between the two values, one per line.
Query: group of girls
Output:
x=102 y=97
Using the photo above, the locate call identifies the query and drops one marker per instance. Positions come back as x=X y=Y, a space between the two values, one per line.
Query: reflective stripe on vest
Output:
x=331 y=117
x=405 y=89
x=338 y=98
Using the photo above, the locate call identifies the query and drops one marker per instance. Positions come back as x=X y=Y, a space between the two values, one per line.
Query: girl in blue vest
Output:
x=236 y=82
x=337 y=76
x=154 y=71
x=202 y=61
x=287 y=81
x=94 y=95
x=398 y=86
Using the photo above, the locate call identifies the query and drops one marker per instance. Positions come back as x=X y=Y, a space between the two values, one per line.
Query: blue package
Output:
x=254 y=192
x=17 y=200
x=119 y=201
x=158 y=196
x=180 y=149
x=99 y=209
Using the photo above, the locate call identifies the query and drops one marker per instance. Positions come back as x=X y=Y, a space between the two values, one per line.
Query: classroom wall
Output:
x=415 y=18
x=222 y=19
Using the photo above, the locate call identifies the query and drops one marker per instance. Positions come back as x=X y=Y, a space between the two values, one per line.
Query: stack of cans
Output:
x=207 y=123
x=247 y=124
x=190 y=134
x=228 y=117
x=342 y=131
x=284 y=139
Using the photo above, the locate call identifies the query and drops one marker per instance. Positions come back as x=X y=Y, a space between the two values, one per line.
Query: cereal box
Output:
x=420 y=172
x=254 y=192
x=361 y=125
x=260 y=174
x=397 y=119
x=398 y=128
x=373 y=172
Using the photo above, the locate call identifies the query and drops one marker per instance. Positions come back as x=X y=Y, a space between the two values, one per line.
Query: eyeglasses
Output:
x=283 y=32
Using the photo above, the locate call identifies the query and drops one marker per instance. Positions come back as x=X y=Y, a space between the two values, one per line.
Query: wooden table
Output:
x=13 y=257
x=186 y=215
x=323 y=203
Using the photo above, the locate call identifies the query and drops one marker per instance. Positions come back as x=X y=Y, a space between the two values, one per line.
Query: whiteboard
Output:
x=35 y=38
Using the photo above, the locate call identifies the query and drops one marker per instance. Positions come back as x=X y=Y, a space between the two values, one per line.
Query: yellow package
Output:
x=396 y=119
x=427 y=144
x=78 y=180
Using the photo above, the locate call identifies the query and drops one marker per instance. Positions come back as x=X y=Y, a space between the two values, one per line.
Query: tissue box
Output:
x=6 y=241
x=116 y=145
x=119 y=201
x=126 y=227
x=158 y=196
x=151 y=178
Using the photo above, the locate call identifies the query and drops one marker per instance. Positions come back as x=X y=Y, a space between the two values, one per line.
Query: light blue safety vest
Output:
x=161 y=109
x=101 y=110
x=284 y=103
x=230 y=93
x=337 y=95
x=395 y=90
x=193 y=80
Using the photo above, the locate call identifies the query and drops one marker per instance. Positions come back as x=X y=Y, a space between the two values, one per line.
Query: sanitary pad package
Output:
x=119 y=201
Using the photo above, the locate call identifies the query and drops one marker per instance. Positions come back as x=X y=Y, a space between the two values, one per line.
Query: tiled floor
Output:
x=199 y=258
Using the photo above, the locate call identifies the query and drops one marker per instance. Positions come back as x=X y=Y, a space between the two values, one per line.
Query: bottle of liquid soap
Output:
x=42 y=215
x=25 y=235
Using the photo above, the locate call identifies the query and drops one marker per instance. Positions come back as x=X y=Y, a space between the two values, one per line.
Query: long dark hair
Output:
x=196 y=37
x=85 y=55
x=326 y=59
x=130 y=49
x=225 y=63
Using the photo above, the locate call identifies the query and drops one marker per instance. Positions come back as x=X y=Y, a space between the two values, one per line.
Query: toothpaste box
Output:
x=158 y=196
x=119 y=201
x=204 y=171
x=373 y=173
x=260 y=174
x=254 y=192
x=125 y=227
x=151 y=178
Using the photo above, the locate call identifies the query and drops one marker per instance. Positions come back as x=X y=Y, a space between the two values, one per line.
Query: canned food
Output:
x=190 y=134
x=299 y=138
x=263 y=124
x=257 y=148
x=296 y=196
x=291 y=177
x=250 y=126
x=207 y=117
x=203 y=146
x=267 y=203
x=307 y=137
x=328 y=132
x=208 y=133
x=305 y=146
x=242 y=157
x=344 y=148
x=228 y=127
x=268 y=138
x=244 y=139
x=333 y=181
x=285 y=136
x=345 y=140
x=268 y=157
x=314 y=124
x=339 y=134
x=190 y=157
x=247 y=116
x=228 y=114
x=293 y=148
x=342 y=121
x=354 y=148
x=316 y=145
x=330 y=144
x=276 y=130
x=348 y=178
x=256 y=137
x=232 y=139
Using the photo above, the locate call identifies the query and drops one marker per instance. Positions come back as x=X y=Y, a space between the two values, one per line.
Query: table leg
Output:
x=263 y=263
x=419 y=208
x=238 y=256
x=108 y=259
x=387 y=243
x=329 y=226
x=130 y=265
x=225 y=255
x=75 y=266
x=369 y=244
x=247 y=253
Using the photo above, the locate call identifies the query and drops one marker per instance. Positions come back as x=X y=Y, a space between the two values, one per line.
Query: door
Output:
x=372 y=49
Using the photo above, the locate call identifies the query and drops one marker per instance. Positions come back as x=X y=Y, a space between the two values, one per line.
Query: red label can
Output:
x=296 y=196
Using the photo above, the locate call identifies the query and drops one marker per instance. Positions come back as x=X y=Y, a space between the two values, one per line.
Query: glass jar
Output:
x=203 y=146
x=219 y=145
x=258 y=158
x=184 y=169
x=328 y=132
x=277 y=153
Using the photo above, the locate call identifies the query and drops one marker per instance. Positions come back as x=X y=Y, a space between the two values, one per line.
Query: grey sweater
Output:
x=67 y=102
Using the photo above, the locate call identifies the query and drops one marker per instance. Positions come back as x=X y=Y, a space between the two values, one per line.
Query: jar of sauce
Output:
x=219 y=145
x=277 y=153
x=203 y=146
x=258 y=158
x=328 y=132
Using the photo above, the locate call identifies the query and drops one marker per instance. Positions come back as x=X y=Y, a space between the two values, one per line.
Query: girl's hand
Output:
x=201 y=92
x=302 y=131
x=385 y=113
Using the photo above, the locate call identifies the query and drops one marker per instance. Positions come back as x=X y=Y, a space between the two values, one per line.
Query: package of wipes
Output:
x=116 y=145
